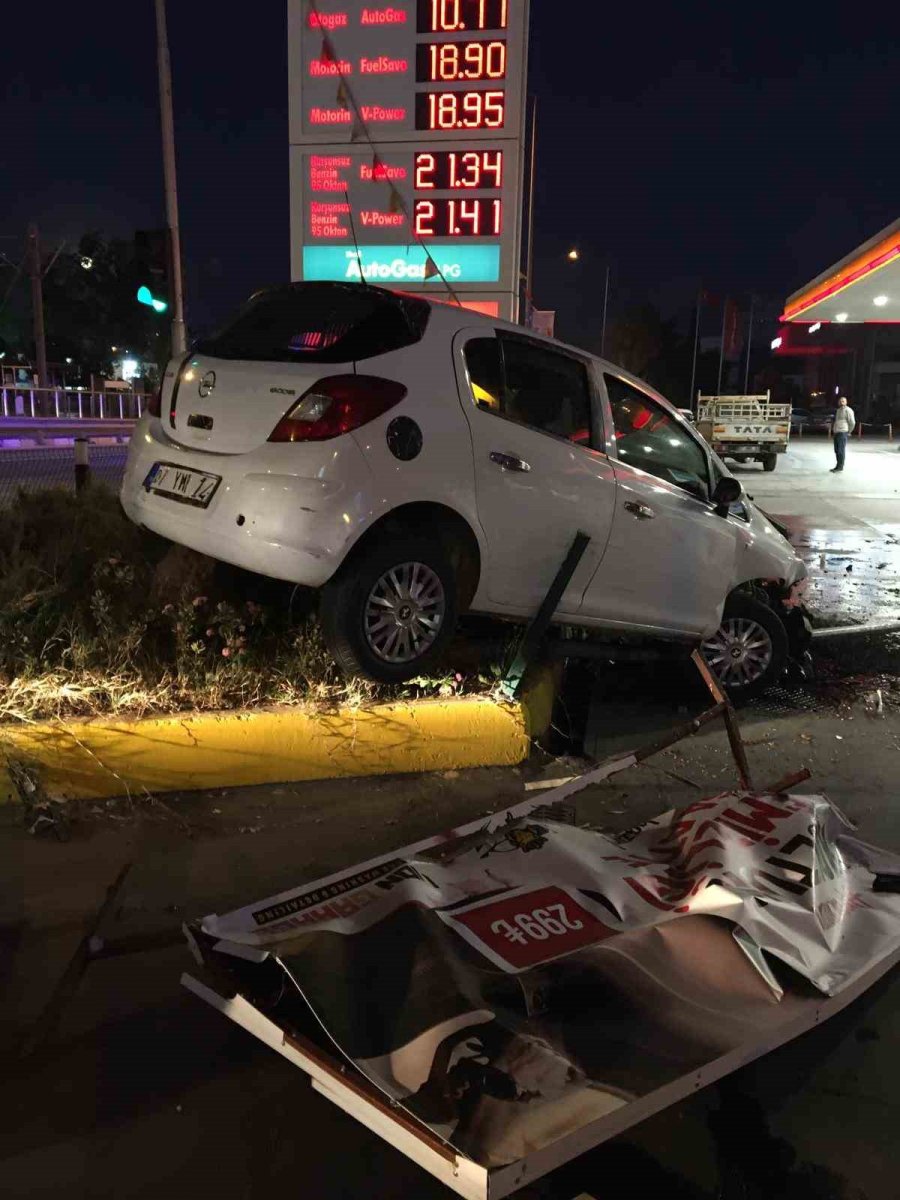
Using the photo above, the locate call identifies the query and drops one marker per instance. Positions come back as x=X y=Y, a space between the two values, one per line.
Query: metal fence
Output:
x=42 y=454
x=69 y=403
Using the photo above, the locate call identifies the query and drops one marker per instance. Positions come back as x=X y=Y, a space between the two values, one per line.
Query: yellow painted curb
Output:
x=102 y=758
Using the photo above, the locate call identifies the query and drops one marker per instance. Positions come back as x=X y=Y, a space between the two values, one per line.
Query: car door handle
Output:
x=509 y=462
x=643 y=512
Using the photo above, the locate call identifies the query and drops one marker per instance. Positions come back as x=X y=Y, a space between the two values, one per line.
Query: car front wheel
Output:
x=748 y=652
x=391 y=610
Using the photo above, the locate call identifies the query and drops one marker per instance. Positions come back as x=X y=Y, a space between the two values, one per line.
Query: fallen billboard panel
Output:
x=498 y=999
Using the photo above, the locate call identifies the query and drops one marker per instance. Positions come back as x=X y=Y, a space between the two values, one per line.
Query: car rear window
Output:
x=319 y=322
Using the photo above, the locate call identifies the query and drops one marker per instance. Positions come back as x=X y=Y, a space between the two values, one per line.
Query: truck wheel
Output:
x=391 y=610
x=769 y=462
x=748 y=652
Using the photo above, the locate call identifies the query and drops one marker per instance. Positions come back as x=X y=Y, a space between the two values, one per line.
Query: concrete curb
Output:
x=89 y=760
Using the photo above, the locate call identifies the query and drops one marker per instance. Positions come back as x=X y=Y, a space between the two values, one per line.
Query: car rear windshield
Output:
x=319 y=322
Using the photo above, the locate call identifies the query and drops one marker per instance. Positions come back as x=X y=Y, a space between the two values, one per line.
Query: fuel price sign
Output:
x=406 y=124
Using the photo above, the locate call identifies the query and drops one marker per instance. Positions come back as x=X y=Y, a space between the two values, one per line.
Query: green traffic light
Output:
x=145 y=296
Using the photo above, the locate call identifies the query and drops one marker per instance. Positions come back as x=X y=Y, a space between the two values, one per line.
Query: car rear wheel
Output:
x=769 y=462
x=391 y=610
x=748 y=652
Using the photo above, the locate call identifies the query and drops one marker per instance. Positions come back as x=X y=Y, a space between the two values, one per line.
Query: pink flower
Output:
x=226 y=652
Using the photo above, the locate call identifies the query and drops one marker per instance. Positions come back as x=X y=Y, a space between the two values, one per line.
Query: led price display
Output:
x=406 y=122
x=451 y=62
x=444 y=169
x=484 y=109
x=461 y=217
x=454 y=16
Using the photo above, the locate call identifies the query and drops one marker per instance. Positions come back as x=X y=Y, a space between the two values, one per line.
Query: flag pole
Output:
x=696 y=341
x=722 y=346
x=749 y=340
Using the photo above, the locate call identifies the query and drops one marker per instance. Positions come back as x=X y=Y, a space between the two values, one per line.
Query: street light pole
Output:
x=179 y=334
x=605 y=303
x=37 y=303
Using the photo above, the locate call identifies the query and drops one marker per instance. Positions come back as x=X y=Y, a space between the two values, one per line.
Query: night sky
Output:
x=744 y=146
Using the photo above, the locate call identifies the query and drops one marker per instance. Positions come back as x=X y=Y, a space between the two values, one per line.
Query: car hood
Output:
x=769 y=554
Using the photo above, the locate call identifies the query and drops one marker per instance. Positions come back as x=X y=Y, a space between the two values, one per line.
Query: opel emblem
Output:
x=207 y=383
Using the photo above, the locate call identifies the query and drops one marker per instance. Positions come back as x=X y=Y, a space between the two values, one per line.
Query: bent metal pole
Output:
x=179 y=334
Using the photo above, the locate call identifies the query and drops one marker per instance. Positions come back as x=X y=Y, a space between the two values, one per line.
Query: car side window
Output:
x=524 y=382
x=652 y=439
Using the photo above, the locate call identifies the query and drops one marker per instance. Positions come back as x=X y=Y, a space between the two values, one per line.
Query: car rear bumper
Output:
x=288 y=512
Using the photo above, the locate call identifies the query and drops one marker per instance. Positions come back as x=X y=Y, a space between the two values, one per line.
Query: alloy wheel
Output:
x=739 y=653
x=404 y=612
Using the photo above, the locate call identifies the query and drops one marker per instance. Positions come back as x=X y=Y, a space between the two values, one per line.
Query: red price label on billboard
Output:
x=523 y=930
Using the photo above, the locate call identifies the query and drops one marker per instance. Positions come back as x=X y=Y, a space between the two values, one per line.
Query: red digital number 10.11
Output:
x=447 y=15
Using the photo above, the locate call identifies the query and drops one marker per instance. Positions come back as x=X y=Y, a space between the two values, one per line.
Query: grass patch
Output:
x=98 y=617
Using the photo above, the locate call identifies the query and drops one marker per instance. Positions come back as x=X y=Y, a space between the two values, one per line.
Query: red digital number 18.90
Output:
x=449 y=62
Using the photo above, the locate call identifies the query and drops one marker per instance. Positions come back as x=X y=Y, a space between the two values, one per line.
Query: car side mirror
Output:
x=726 y=492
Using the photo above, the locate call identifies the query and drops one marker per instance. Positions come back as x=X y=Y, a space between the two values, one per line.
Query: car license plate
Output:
x=182 y=484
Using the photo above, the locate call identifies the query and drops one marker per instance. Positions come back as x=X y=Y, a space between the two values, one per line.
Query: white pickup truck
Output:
x=745 y=428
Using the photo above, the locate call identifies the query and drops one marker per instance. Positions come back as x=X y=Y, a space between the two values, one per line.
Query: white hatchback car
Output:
x=414 y=460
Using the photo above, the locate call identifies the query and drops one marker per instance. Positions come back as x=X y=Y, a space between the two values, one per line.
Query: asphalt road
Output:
x=845 y=526
x=140 y=1091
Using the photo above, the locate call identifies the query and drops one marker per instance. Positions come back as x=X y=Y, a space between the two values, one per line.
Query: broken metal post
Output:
x=512 y=682
x=71 y=977
x=731 y=723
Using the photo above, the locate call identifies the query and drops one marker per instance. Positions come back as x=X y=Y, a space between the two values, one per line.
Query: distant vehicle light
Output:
x=87 y=262
x=776 y=342
x=815 y=327
x=880 y=301
x=842 y=317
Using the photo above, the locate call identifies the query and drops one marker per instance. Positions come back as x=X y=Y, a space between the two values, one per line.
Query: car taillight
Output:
x=336 y=405
x=154 y=408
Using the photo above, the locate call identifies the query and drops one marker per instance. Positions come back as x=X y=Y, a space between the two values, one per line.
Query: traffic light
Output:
x=145 y=296
x=151 y=258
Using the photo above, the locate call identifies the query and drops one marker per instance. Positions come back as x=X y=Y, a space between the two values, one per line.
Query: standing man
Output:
x=842 y=426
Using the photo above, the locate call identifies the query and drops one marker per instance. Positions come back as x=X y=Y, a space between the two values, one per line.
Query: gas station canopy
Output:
x=863 y=288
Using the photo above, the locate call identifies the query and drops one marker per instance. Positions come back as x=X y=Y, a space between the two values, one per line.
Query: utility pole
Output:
x=33 y=248
x=696 y=340
x=179 y=334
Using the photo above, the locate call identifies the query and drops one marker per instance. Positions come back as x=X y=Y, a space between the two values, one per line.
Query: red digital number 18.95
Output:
x=460 y=110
